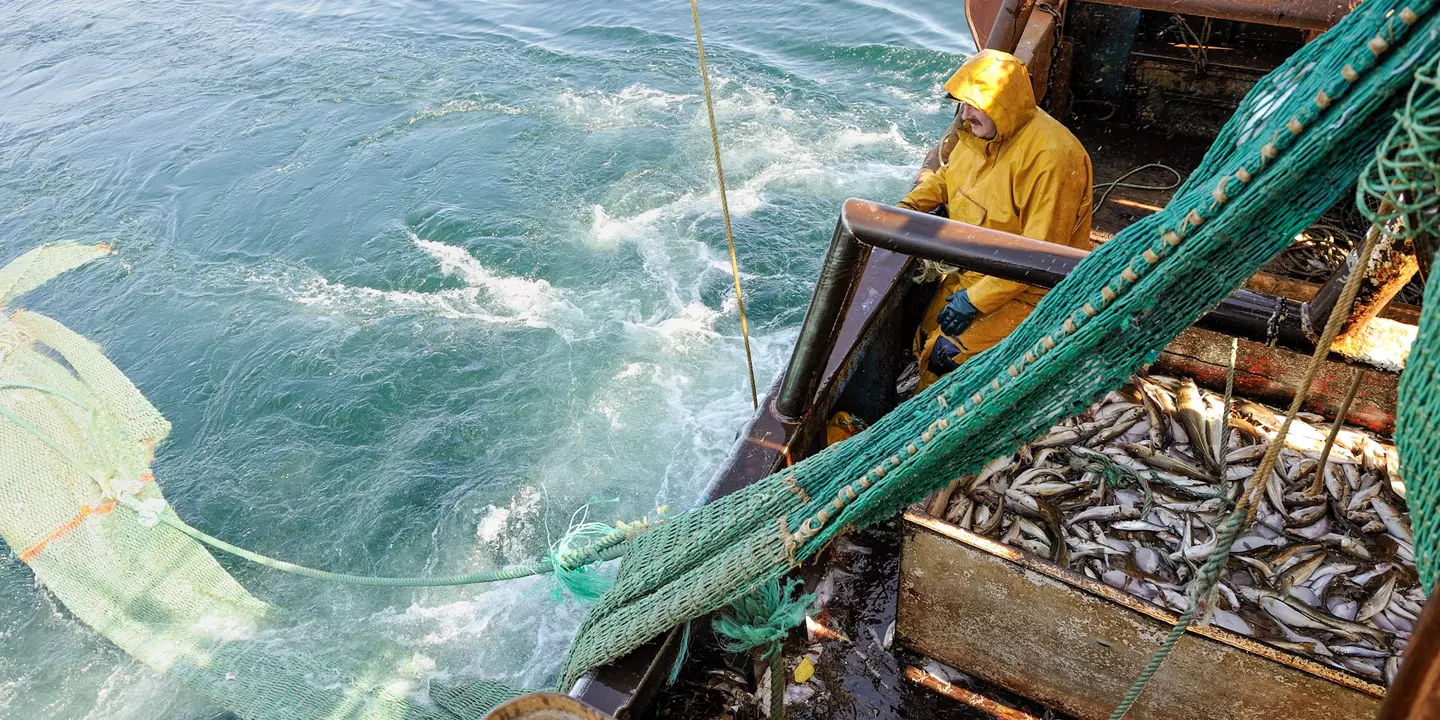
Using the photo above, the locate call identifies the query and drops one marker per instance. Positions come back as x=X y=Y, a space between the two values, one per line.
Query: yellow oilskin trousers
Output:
x=1033 y=179
x=985 y=332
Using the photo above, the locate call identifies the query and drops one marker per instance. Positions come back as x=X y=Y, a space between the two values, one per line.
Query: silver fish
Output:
x=1119 y=426
x=1346 y=610
x=1051 y=489
x=1230 y=621
x=1106 y=512
x=991 y=469
x=1246 y=454
x=1363 y=668
x=1397 y=525
x=1190 y=411
x=1297 y=615
x=1300 y=572
x=1360 y=651
x=1167 y=463
x=1139 y=526
x=1392 y=669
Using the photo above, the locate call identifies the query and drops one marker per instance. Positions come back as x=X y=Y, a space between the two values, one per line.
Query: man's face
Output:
x=980 y=124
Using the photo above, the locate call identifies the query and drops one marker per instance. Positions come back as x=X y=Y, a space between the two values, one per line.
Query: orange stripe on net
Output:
x=86 y=511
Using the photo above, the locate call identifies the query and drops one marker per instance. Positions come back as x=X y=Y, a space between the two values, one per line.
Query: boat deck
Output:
x=1118 y=149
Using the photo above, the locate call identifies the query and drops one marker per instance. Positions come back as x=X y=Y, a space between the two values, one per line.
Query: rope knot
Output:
x=149 y=511
x=113 y=488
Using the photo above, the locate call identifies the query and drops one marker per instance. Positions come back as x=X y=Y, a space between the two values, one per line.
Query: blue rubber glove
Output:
x=942 y=358
x=957 y=314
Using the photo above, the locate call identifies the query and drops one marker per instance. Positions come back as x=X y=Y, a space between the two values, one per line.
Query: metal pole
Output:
x=1260 y=317
x=836 y=286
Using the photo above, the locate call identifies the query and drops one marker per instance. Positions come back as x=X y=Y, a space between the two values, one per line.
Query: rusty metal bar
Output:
x=1390 y=268
x=959 y=694
x=1009 y=23
x=1307 y=14
x=1251 y=315
x=1033 y=49
x=832 y=295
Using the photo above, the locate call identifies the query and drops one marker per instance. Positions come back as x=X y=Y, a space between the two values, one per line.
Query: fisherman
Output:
x=1012 y=168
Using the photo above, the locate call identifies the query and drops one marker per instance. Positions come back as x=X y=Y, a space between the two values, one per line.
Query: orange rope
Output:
x=86 y=511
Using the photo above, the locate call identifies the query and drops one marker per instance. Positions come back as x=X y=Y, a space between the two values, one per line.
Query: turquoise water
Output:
x=415 y=280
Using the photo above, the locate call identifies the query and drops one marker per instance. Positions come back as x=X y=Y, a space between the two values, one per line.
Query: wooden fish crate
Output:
x=1076 y=645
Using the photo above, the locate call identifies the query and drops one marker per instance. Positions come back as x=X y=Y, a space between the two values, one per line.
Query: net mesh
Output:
x=76 y=437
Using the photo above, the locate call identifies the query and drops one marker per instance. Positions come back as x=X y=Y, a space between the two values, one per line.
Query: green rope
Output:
x=581 y=581
x=763 y=618
x=1202 y=587
x=583 y=545
x=680 y=656
x=564 y=564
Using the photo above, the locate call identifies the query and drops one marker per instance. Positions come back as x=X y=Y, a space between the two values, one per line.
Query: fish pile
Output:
x=1131 y=493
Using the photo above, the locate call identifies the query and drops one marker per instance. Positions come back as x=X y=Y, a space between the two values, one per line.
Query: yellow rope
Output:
x=725 y=205
x=1338 y=316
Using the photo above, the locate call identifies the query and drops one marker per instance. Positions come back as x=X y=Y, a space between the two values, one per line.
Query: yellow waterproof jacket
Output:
x=1032 y=179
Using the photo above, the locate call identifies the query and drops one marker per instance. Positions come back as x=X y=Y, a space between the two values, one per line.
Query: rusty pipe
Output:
x=1391 y=266
x=1306 y=14
x=1318 y=15
x=1010 y=22
x=833 y=291
x=973 y=699
x=1260 y=317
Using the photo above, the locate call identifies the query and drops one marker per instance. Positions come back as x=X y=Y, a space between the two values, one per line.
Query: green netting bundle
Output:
x=1401 y=192
x=1292 y=149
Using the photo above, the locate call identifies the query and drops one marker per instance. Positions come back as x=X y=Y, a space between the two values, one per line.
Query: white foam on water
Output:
x=692 y=330
x=493 y=524
x=525 y=299
x=487 y=296
x=746 y=100
x=638 y=105
x=463 y=106
x=133 y=690
x=608 y=232
x=851 y=137
x=499 y=633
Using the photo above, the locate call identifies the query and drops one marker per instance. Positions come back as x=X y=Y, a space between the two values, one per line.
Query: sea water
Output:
x=416 y=281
